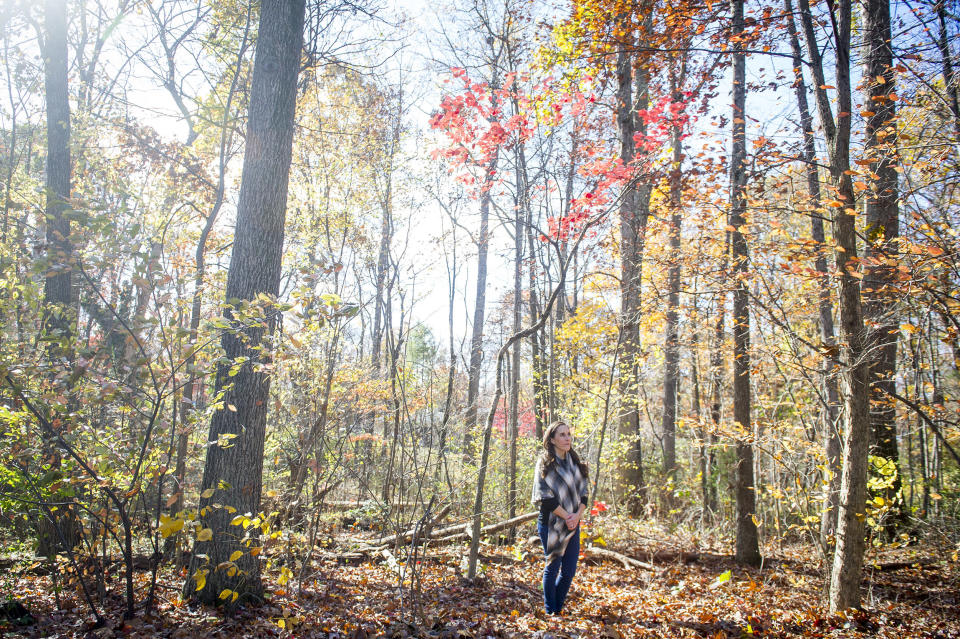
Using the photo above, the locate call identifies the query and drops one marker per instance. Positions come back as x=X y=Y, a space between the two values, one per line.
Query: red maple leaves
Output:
x=479 y=121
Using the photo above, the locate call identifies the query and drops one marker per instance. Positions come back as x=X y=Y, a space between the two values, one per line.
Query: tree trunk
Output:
x=717 y=372
x=59 y=311
x=234 y=463
x=748 y=549
x=845 y=576
x=943 y=44
x=59 y=317
x=514 y=401
x=698 y=410
x=671 y=338
x=829 y=415
x=634 y=210
x=476 y=339
x=883 y=229
x=536 y=352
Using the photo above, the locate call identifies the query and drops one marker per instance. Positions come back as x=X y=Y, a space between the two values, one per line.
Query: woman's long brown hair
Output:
x=548 y=456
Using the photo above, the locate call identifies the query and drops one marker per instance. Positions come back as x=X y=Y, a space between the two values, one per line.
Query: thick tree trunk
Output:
x=634 y=210
x=830 y=413
x=60 y=303
x=748 y=549
x=59 y=316
x=234 y=463
x=880 y=306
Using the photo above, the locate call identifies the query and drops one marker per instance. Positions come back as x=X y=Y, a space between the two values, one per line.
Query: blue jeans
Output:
x=558 y=574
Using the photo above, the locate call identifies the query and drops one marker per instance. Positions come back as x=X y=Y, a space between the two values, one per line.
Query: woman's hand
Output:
x=572 y=520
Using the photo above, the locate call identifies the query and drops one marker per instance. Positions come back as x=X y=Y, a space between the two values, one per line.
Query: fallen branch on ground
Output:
x=628 y=562
x=425 y=530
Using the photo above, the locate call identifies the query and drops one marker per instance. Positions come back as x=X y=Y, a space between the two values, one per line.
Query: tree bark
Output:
x=476 y=338
x=234 y=462
x=747 y=546
x=883 y=229
x=844 y=591
x=634 y=211
x=536 y=351
x=59 y=316
x=514 y=401
x=671 y=338
x=830 y=414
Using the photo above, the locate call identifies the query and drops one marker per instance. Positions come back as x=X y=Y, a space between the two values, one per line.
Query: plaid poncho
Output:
x=565 y=483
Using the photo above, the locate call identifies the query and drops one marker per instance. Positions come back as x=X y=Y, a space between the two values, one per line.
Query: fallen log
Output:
x=351 y=505
x=444 y=536
x=901 y=565
x=628 y=562
x=456 y=532
x=425 y=530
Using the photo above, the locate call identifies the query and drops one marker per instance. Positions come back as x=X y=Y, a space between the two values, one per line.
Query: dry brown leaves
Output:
x=687 y=596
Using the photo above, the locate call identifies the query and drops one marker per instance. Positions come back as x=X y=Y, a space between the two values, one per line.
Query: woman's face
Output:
x=561 y=439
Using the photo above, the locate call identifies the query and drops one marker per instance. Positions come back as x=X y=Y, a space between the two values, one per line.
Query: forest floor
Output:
x=687 y=591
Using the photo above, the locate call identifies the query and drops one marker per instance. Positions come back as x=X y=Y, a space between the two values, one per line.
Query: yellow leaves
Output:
x=227 y=593
x=208 y=493
x=205 y=534
x=236 y=554
x=285 y=575
x=200 y=577
x=170 y=525
x=908 y=328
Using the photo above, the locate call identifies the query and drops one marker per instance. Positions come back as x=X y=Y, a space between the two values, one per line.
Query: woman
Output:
x=560 y=489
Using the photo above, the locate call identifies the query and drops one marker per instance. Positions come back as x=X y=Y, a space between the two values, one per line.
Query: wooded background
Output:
x=263 y=259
